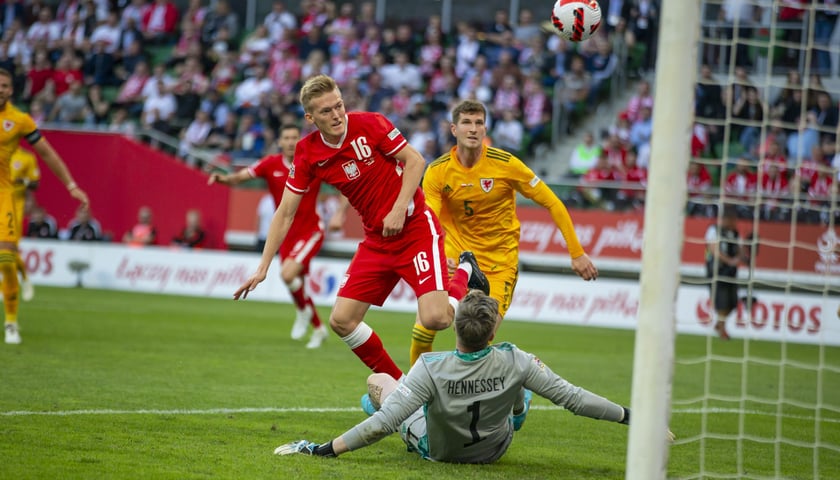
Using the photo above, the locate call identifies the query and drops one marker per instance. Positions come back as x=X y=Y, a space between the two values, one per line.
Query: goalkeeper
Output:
x=463 y=406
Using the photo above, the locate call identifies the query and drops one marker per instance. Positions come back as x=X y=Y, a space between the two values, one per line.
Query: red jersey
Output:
x=774 y=187
x=274 y=170
x=699 y=182
x=362 y=167
x=741 y=184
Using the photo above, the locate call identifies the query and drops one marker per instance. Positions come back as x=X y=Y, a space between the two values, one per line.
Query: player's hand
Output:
x=393 y=223
x=584 y=268
x=451 y=265
x=213 y=178
x=249 y=285
x=81 y=196
x=304 y=447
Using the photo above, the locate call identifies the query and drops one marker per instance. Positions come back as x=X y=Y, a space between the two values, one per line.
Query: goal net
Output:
x=765 y=403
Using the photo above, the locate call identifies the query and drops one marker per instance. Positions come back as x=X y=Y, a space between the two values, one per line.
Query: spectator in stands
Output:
x=699 y=182
x=195 y=12
x=190 y=35
x=642 y=98
x=826 y=112
x=508 y=132
x=255 y=47
x=278 y=21
x=41 y=224
x=423 y=139
x=536 y=115
x=130 y=95
x=251 y=138
x=749 y=110
x=159 y=108
x=534 y=59
x=159 y=22
x=592 y=193
x=467 y=48
x=584 y=156
x=222 y=137
x=401 y=73
x=602 y=67
x=196 y=134
x=642 y=128
x=526 y=30
x=133 y=12
x=220 y=18
x=250 y=92
x=132 y=55
x=801 y=142
x=105 y=51
x=68 y=69
x=821 y=189
x=122 y=122
x=38 y=76
x=775 y=194
x=84 y=228
x=44 y=30
x=192 y=236
x=143 y=233
x=99 y=107
x=576 y=86
x=71 y=107
x=507 y=97
x=741 y=184
x=635 y=177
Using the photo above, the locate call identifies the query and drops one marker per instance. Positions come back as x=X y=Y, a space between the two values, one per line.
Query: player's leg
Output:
x=8 y=268
x=368 y=281
x=295 y=257
x=726 y=299
x=347 y=320
x=379 y=386
x=27 y=290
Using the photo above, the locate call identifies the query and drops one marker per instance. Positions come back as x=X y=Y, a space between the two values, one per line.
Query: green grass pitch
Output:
x=167 y=387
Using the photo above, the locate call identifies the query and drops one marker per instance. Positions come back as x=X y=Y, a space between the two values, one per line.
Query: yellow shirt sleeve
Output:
x=533 y=188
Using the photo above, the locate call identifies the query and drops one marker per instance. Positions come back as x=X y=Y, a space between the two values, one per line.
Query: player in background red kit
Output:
x=370 y=162
x=305 y=236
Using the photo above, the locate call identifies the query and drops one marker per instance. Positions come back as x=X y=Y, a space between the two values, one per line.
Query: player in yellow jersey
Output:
x=473 y=190
x=25 y=178
x=15 y=125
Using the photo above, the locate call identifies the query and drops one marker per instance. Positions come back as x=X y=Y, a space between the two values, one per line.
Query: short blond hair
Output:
x=315 y=87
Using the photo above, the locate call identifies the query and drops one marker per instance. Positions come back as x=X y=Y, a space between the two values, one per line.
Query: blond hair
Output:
x=315 y=87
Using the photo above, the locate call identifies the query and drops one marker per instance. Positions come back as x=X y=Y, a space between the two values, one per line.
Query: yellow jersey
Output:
x=14 y=125
x=477 y=206
x=24 y=171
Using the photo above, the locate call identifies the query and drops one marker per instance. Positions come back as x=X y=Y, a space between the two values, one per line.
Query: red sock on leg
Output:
x=367 y=345
x=458 y=284
x=316 y=320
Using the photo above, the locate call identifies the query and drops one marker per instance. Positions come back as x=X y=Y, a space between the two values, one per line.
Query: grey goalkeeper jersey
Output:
x=468 y=399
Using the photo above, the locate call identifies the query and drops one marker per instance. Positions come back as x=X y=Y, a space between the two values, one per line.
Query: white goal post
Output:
x=676 y=67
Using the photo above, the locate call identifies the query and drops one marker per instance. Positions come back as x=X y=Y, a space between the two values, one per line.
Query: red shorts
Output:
x=416 y=256
x=302 y=248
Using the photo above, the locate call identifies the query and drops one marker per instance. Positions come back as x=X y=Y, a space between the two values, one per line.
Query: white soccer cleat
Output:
x=318 y=336
x=12 y=334
x=27 y=290
x=301 y=323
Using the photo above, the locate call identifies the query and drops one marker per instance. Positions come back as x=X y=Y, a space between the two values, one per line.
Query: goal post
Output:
x=675 y=75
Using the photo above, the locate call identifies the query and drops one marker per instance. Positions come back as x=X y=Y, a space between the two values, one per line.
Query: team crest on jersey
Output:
x=486 y=184
x=447 y=189
x=8 y=125
x=351 y=170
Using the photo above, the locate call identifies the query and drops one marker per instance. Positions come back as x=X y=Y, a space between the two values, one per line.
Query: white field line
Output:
x=218 y=411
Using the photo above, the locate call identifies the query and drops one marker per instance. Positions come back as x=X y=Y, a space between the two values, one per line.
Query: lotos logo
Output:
x=792 y=316
x=320 y=282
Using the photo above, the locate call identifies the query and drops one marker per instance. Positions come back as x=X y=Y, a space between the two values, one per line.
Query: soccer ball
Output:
x=576 y=20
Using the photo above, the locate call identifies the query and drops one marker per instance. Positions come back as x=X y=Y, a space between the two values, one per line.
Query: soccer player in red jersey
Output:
x=370 y=162
x=306 y=234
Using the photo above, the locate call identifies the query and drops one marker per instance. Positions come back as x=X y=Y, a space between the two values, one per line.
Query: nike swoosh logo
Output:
x=321 y=164
x=423 y=280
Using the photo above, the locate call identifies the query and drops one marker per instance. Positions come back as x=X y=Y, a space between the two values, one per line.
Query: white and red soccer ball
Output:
x=576 y=20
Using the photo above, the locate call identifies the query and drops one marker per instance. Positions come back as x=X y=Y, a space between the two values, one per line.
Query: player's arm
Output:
x=43 y=148
x=280 y=224
x=538 y=191
x=413 y=166
x=234 y=178
x=414 y=390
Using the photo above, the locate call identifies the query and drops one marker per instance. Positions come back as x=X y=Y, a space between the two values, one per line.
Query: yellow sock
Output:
x=421 y=341
x=21 y=267
x=11 y=288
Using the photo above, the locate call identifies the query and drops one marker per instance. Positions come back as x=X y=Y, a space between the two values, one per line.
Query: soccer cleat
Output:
x=367 y=405
x=12 y=334
x=301 y=323
x=477 y=279
x=27 y=290
x=720 y=328
x=318 y=336
x=519 y=419
x=301 y=446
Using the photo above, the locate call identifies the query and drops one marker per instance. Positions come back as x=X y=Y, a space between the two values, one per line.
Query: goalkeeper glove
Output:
x=306 y=447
